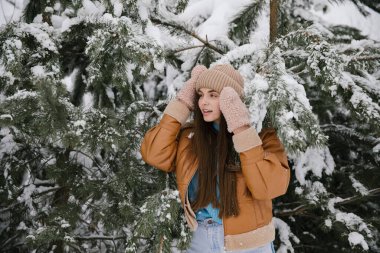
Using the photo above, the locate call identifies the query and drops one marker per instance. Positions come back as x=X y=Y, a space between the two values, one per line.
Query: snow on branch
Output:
x=315 y=160
x=352 y=221
x=289 y=108
x=285 y=235
x=301 y=209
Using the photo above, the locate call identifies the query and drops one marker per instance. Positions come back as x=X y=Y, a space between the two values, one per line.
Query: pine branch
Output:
x=104 y=238
x=10 y=207
x=371 y=193
x=341 y=129
x=302 y=208
x=98 y=166
x=297 y=68
x=366 y=58
x=298 y=210
x=9 y=240
x=369 y=3
x=77 y=249
x=46 y=192
x=302 y=246
x=246 y=21
x=191 y=33
x=43 y=182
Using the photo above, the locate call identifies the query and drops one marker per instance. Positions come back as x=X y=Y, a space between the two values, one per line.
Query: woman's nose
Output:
x=204 y=101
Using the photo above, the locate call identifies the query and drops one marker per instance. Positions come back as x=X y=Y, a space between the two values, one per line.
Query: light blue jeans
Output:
x=209 y=238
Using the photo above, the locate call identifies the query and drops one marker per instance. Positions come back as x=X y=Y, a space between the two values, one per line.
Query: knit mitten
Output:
x=234 y=110
x=187 y=93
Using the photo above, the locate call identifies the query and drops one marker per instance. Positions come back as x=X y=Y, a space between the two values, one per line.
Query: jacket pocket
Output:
x=242 y=192
x=274 y=176
x=259 y=213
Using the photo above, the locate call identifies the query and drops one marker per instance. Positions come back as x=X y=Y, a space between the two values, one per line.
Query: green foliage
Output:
x=28 y=51
x=71 y=175
x=245 y=22
x=181 y=5
x=335 y=71
x=207 y=56
x=128 y=56
x=66 y=162
x=330 y=69
x=158 y=223
x=73 y=59
x=345 y=34
x=295 y=121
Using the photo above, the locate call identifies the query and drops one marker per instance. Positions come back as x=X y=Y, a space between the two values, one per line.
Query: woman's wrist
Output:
x=246 y=139
x=241 y=129
x=186 y=104
x=177 y=110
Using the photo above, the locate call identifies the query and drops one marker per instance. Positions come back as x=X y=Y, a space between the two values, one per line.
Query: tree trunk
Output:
x=273 y=20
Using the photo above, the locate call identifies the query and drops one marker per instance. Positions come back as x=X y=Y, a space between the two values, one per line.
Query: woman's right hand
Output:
x=234 y=110
x=187 y=93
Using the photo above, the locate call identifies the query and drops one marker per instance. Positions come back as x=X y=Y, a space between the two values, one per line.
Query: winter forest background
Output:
x=81 y=82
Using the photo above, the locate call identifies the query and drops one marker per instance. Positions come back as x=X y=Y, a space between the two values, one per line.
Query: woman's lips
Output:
x=206 y=113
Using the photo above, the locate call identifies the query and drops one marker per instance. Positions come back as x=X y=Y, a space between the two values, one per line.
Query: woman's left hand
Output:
x=234 y=110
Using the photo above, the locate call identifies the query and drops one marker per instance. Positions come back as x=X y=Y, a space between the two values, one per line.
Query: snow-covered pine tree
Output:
x=318 y=84
x=71 y=97
x=72 y=178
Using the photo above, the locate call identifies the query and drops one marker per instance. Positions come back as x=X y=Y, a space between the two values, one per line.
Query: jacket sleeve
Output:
x=159 y=145
x=264 y=163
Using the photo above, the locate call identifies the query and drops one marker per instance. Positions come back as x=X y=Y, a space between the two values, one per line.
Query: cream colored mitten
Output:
x=187 y=93
x=234 y=110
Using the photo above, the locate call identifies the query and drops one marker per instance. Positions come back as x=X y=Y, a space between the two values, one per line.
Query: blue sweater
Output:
x=209 y=211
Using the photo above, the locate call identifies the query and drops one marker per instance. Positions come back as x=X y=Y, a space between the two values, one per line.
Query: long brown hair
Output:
x=217 y=158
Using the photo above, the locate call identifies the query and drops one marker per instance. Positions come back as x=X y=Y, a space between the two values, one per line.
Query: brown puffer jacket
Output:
x=265 y=172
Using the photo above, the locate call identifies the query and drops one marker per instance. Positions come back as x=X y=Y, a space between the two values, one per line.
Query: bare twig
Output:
x=199 y=55
x=187 y=48
x=191 y=33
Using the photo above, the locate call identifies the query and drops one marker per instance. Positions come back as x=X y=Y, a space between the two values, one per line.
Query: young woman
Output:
x=227 y=174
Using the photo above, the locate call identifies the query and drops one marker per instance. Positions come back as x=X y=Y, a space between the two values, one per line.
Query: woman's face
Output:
x=209 y=104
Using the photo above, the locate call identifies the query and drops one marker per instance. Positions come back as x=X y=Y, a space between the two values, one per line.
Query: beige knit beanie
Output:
x=220 y=76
